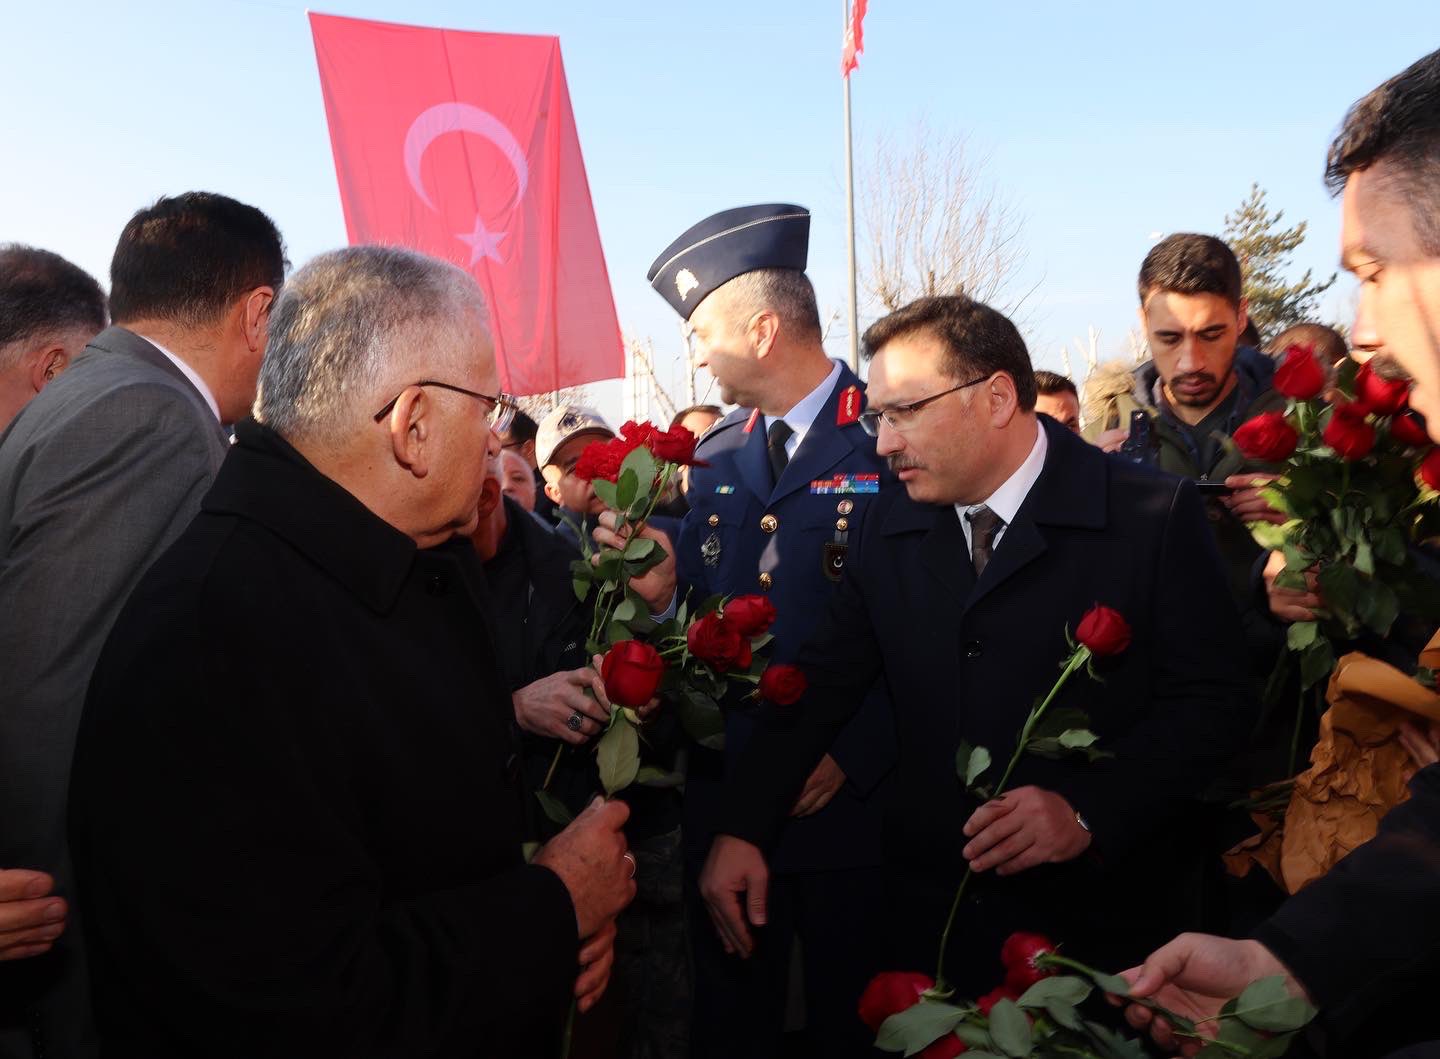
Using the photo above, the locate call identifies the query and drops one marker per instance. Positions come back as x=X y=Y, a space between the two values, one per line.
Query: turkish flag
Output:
x=854 y=42
x=463 y=146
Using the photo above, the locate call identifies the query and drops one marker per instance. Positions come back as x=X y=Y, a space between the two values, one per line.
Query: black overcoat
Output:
x=965 y=660
x=295 y=804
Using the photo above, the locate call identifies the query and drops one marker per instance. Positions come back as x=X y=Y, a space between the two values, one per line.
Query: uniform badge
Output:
x=725 y=489
x=710 y=550
x=851 y=402
x=685 y=282
x=750 y=423
x=846 y=483
x=833 y=561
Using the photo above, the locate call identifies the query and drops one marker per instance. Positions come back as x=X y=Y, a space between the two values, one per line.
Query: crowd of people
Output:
x=292 y=639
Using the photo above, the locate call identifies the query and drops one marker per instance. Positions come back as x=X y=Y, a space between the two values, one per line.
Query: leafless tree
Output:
x=933 y=224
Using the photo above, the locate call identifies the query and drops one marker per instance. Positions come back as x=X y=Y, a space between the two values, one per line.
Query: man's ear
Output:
x=255 y=316
x=1003 y=398
x=409 y=425
x=50 y=363
x=764 y=328
x=1242 y=317
x=552 y=490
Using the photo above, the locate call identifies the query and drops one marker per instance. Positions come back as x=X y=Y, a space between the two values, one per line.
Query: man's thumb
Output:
x=755 y=900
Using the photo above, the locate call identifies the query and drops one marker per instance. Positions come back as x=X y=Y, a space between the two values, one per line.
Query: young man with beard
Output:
x=1363 y=941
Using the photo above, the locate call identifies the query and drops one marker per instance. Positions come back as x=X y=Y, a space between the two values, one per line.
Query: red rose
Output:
x=1407 y=429
x=714 y=640
x=631 y=671
x=1382 y=396
x=783 y=685
x=601 y=459
x=1429 y=469
x=676 y=445
x=947 y=1047
x=1268 y=438
x=990 y=999
x=1299 y=374
x=635 y=434
x=751 y=615
x=1348 y=433
x=889 y=994
x=1018 y=955
x=1106 y=632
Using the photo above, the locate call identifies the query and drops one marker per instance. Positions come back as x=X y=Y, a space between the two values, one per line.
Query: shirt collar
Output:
x=1006 y=500
x=800 y=418
x=189 y=373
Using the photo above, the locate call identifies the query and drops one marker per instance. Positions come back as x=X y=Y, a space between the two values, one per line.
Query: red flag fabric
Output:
x=854 y=37
x=463 y=146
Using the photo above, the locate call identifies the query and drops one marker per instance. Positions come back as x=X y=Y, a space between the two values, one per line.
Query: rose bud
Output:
x=1018 y=954
x=1348 y=433
x=676 y=445
x=889 y=994
x=1382 y=396
x=1429 y=469
x=1407 y=429
x=783 y=685
x=601 y=459
x=1105 y=631
x=1300 y=374
x=718 y=643
x=1267 y=437
x=990 y=999
x=631 y=671
x=751 y=615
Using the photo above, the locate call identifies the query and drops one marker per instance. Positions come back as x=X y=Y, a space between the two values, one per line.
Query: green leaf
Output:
x=1010 y=1029
x=626 y=488
x=618 y=756
x=1316 y=662
x=1390 y=546
x=701 y=718
x=554 y=808
x=1268 y=1005
x=1272 y=1047
x=1268 y=535
x=626 y=610
x=638 y=548
x=1114 y=1045
x=606 y=491
x=1112 y=983
x=918 y=1026
x=581 y=587
x=641 y=464
x=1379 y=607
x=976 y=765
x=1288 y=578
x=973 y=1035
x=1066 y=989
x=649 y=775
x=618 y=632
x=1077 y=738
x=1364 y=557
x=1340 y=587
x=1064 y=1015
x=1301 y=635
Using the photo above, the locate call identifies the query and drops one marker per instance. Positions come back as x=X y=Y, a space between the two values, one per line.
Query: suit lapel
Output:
x=753 y=461
x=1021 y=544
x=826 y=443
x=944 y=554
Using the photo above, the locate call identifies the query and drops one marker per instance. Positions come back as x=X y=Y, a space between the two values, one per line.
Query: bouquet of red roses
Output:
x=689 y=659
x=1359 y=470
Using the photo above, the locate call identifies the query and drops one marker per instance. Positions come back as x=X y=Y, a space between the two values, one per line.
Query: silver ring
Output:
x=631 y=858
x=575 y=721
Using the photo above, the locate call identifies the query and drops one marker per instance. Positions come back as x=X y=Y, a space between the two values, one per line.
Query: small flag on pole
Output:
x=854 y=37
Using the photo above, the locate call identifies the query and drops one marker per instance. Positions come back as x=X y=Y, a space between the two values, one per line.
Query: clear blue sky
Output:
x=1103 y=123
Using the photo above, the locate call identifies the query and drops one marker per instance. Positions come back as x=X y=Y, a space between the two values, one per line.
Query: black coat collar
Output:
x=266 y=480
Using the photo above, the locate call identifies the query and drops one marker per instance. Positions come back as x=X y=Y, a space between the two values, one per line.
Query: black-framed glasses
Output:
x=902 y=416
x=502 y=405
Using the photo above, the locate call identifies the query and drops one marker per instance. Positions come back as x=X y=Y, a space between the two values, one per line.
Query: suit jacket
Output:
x=295 y=809
x=98 y=475
x=744 y=535
x=964 y=660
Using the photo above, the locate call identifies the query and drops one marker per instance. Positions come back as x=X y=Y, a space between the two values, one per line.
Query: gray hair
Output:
x=786 y=292
x=353 y=324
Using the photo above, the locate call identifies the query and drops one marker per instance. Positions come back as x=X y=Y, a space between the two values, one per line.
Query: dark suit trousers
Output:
x=740 y=1004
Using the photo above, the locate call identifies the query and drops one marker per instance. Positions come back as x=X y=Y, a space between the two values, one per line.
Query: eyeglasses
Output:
x=502 y=405
x=901 y=417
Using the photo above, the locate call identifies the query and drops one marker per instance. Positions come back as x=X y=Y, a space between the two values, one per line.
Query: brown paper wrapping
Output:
x=1358 y=772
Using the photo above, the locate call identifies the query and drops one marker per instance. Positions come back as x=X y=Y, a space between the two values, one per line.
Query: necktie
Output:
x=984 y=524
x=778 y=434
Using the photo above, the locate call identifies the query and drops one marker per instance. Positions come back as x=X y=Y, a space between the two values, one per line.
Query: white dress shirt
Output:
x=189 y=373
x=802 y=416
x=1006 y=500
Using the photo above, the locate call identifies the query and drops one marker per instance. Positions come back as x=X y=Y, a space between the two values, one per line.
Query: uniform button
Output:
x=766 y=581
x=714 y=520
x=769 y=523
x=842 y=524
x=435 y=585
x=972 y=649
x=845 y=507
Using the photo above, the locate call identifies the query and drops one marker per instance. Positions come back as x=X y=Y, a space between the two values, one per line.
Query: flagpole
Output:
x=850 y=212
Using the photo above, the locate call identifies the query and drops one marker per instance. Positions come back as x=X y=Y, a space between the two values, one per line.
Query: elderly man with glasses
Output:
x=296 y=809
x=960 y=597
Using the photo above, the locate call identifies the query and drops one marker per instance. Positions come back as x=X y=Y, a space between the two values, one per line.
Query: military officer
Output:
x=789 y=473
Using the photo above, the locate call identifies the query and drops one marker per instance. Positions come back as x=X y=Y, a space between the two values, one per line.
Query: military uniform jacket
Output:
x=965 y=659
x=295 y=809
x=791 y=542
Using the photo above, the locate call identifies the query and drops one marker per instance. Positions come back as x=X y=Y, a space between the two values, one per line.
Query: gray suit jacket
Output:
x=98 y=475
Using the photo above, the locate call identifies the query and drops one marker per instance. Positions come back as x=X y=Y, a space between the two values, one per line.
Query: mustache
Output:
x=1194 y=376
x=900 y=462
x=1388 y=368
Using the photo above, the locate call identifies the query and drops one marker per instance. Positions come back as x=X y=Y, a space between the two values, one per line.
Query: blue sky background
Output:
x=1102 y=123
